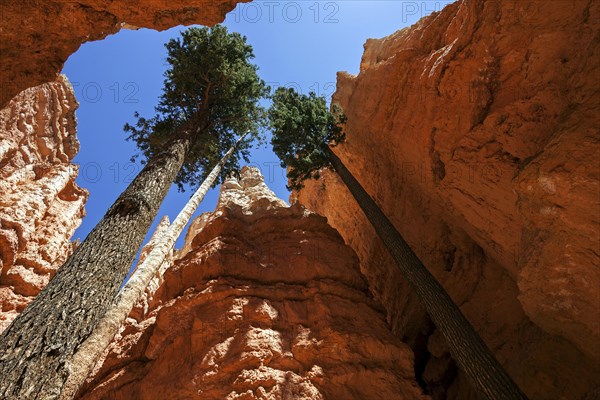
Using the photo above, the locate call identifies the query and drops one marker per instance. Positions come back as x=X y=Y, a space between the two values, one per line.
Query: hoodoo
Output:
x=264 y=301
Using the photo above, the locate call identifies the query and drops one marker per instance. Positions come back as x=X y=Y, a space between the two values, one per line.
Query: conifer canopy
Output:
x=302 y=127
x=211 y=92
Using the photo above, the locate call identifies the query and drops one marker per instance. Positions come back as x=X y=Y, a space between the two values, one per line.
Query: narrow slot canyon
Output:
x=475 y=130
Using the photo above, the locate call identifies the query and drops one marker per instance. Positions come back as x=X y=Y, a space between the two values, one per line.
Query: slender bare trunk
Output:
x=468 y=349
x=36 y=348
x=94 y=346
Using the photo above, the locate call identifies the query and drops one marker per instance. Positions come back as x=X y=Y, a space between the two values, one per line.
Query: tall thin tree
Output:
x=303 y=129
x=91 y=350
x=211 y=96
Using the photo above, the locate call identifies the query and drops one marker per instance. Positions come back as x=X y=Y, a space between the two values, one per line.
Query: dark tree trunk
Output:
x=470 y=352
x=35 y=350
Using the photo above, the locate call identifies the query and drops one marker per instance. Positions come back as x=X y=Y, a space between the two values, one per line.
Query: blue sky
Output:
x=301 y=44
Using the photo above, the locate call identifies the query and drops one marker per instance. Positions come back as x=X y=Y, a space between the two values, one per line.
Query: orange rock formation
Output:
x=264 y=302
x=41 y=205
x=476 y=131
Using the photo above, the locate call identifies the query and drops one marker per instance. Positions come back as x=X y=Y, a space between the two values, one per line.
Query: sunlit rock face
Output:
x=265 y=301
x=37 y=36
x=41 y=205
x=476 y=131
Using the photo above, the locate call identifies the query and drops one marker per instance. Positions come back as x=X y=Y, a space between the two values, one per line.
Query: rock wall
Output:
x=476 y=131
x=41 y=205
x=37 y=36
x=264 y=302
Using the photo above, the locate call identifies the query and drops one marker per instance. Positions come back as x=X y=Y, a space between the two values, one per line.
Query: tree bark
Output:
x=36 y=348
x=93 y=347
x=482 y=369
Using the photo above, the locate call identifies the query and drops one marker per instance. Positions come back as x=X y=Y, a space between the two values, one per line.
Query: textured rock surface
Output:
x=476 y=131
x=264 y=302
x=51 y=30
x=41 y=205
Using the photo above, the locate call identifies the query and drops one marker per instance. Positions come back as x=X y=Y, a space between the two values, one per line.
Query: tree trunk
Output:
x=93 y=347
x=36 y=348
x=466 y=347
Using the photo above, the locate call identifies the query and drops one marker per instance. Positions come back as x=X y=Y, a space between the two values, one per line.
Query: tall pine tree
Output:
x=210 y=98
x=303 y=130
x=91 y=350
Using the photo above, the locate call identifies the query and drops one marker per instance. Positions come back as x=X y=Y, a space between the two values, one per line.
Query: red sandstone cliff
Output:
x=41 y=205
x=37 y=36
x=476 y=131
x=264 y=302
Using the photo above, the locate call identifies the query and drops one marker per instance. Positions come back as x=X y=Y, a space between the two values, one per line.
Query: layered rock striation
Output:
x=476 y=131
x=41 y=205
x=37 y=36
x=265 y=301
